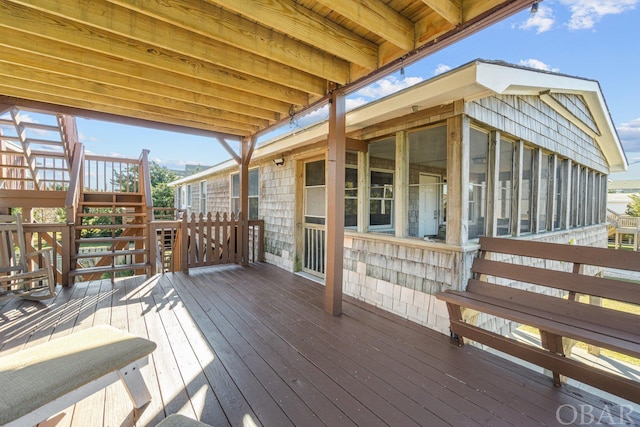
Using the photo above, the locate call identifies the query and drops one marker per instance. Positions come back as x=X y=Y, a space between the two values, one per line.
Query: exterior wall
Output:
x=530 y=119
x=277 y=208
x=402 y=275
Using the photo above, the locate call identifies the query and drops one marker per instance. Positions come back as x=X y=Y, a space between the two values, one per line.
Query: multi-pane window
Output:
x=381 y=199
x=254 y=196
x=351 y=196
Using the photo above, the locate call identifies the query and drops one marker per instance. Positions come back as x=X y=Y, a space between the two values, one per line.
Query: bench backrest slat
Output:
x=600 y=257
x=574 y=282
x=558 y=309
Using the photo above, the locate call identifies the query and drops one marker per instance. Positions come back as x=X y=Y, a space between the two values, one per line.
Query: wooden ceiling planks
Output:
x=232 y=67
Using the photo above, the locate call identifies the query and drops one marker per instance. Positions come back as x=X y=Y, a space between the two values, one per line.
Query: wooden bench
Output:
x=42 y=380
x=503 y=284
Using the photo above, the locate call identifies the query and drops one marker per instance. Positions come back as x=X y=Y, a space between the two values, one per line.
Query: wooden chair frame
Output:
x=28 y=275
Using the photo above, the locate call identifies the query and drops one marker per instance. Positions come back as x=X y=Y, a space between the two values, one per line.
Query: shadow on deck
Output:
x=252 y=346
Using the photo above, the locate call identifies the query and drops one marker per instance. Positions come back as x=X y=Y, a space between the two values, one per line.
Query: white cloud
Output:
x=84 y=137
x=386 y=86
x=541 y=21
x=537 y=64
x=586 y=13
x=441 y=68
x=629 y=134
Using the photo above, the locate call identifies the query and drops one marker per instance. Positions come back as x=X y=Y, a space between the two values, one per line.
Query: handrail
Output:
x=111 y=174
x=73 y=193
x=145 y=176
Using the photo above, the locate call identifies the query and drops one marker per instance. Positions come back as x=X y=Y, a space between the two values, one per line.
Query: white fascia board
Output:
x=510 y=80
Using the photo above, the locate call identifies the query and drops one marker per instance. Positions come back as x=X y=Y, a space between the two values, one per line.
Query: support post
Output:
x=246 y=152
x=335 y=202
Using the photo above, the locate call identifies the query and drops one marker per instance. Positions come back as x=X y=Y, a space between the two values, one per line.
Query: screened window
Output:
x=382 y=165
x=254 y=196
x=188 y=195
x=478 y=148
x=561 y=198
x=427 y=170
x=505 y=188
x=526 y=191
x=544 y=191
x=203 y=197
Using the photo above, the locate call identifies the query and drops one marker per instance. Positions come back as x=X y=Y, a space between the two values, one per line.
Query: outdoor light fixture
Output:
x=279 y=161
x=534 y=7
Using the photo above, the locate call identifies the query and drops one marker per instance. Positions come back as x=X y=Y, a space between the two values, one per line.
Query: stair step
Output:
x=109 y=214
x=110 y=204
x=102 y=254
x=89 y=240
x=108 y=226
x=108 y=269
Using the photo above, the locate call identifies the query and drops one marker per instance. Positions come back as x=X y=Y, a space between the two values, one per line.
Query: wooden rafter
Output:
x=232 y=67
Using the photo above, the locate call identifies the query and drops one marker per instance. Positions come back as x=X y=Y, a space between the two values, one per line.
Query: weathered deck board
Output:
x=253 y=345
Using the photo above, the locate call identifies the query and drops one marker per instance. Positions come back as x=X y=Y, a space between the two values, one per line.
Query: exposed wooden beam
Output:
x=158 y=34
x=357 y=145
x=19 y=18
x=378 y=18
x=81 y=79
x=35 y=105
x=49 y=94
x=474 y=8
x=117 y=98
x=229 y=150
x=301 y=23
x=451 y=10
x=229 y=28
x=29 y=49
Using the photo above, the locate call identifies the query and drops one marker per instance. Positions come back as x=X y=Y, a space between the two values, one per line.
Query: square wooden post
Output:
x=336 y=163
x=243 y=223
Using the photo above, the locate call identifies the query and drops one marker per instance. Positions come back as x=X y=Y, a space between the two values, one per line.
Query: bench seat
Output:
x=528 y=294
x=42 y=380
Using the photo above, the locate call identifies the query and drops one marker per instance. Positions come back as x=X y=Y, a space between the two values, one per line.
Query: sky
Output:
x=594 y=39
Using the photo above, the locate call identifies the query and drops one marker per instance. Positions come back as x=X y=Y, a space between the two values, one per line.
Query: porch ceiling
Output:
x=229 y=67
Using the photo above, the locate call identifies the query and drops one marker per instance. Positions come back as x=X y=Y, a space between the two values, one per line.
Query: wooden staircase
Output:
x=114 y=226
x=107 y=200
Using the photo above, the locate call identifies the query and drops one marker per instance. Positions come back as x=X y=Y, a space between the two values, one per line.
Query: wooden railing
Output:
x=109 y=174
x=199 y=241
x=75 y=184
x=56 y=236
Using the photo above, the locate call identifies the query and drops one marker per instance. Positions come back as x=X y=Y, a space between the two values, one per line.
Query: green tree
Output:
x=633 y=208
x=161 y=193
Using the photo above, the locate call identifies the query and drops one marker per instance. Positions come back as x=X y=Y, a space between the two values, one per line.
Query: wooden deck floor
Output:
x=252 y=346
